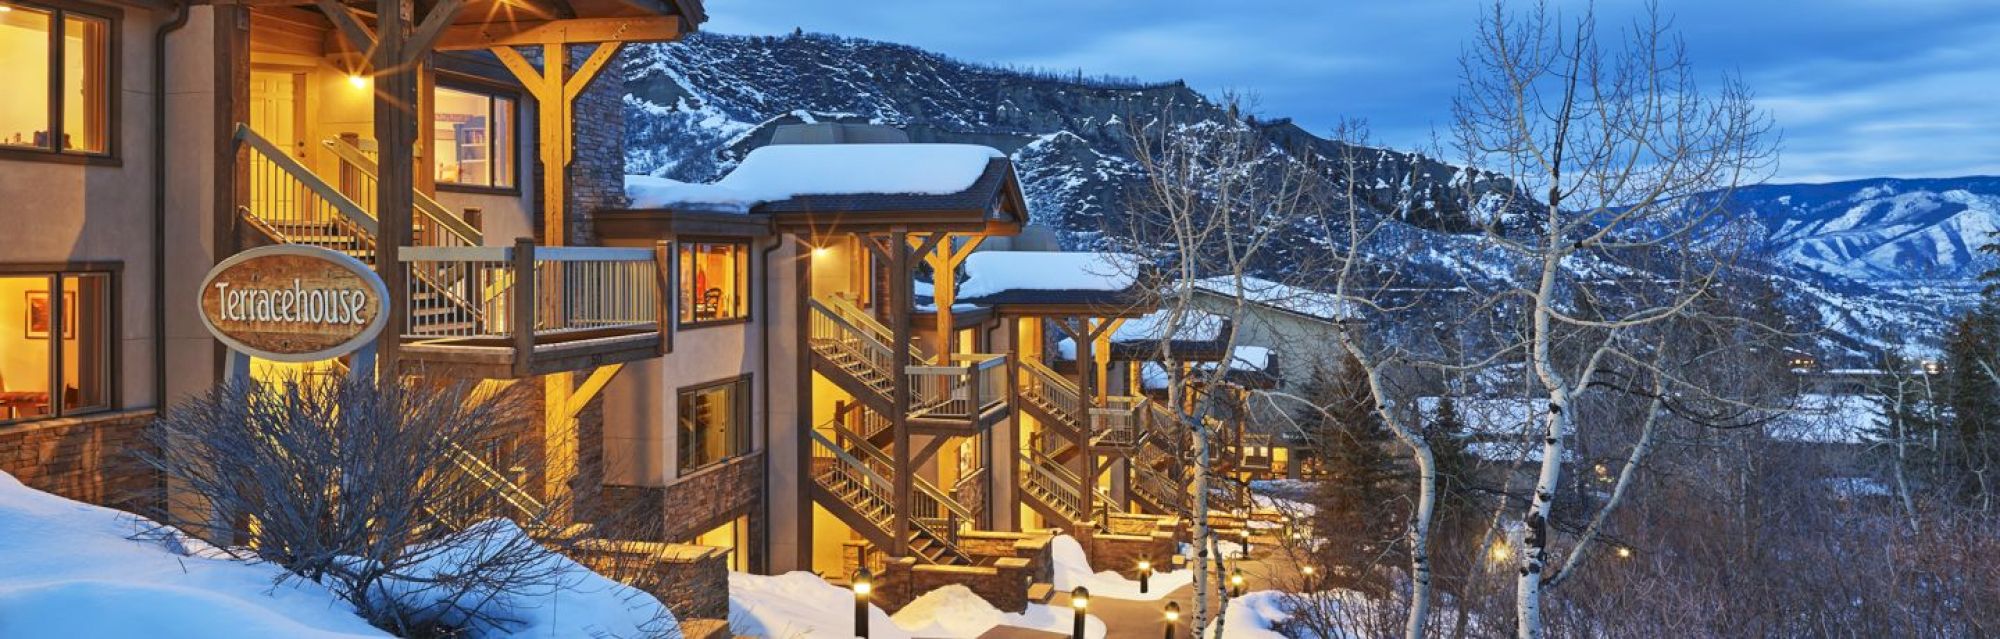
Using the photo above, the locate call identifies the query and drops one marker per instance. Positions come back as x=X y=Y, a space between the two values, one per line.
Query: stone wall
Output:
x=93 y=458
x=1003 y=584
x=693 y=581
x=690 y=507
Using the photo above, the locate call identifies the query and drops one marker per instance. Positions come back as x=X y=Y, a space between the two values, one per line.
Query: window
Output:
x=55 y=353
x=56 y=78
x=733 y=536
x=715 y=282
x=473 y=133
x=714 y=423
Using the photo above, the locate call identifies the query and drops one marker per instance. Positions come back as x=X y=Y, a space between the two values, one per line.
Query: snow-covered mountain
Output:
x=1880 y=229
x=1860 y=259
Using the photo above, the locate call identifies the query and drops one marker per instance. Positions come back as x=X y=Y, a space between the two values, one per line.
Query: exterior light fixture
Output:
x=357 y=80
x=1079 y=600
x=864 y=587
x=819 y=251
x=1145 y=575
x=1500 y=552
x=1624 y=553
x=1173 y=616
x=1236 y=583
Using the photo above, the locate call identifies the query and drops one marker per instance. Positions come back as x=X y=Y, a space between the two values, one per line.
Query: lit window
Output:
x=714 y=282
x=732 y=536
x=57 y=98
x=55 y=359
x=474 y=138
x=714 y=423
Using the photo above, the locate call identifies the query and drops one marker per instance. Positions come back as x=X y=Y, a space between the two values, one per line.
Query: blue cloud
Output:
x=1860 y=88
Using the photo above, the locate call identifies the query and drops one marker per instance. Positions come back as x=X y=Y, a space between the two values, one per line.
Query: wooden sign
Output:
x=293 y=303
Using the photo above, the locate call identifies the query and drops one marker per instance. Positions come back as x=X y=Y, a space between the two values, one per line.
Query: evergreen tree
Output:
x=1360 y=509
x=1971 y=444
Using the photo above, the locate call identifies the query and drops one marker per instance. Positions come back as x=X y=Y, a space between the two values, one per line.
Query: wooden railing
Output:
x=875 y=496
x=432 y=225
x=1039 y=381
x=1116 y=424
x=865 y=323
x=965 y=391
x=930 y=501
x=828 y=330
x=1159 y=488
x=293 y=205
x=524 y=290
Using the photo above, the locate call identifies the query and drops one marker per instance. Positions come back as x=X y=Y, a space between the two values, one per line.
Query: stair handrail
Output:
x=877 y=487
x=845 y=327
x=355 y=215
x=429 y=208
x=510 y=492
x=860 y=319
x=1042 y=380
x=924 y=486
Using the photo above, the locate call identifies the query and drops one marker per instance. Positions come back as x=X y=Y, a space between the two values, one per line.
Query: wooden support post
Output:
x=396 y=137
x=555 y=90
x=1102 y=350
x=521 y=305
x=1086 y=342
x=899 y=399
x=558 y=447
x=944 y=262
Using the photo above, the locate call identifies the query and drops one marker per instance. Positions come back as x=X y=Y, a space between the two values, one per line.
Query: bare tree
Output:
x=368 y=489
x=1626 y=152
x=1218 y=200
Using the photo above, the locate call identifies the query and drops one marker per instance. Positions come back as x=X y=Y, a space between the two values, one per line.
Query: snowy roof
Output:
x=1302 y=301
x=992 y=273
x=782 y=172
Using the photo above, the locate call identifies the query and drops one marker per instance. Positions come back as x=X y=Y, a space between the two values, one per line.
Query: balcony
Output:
x=522 y=310
x=969 y=395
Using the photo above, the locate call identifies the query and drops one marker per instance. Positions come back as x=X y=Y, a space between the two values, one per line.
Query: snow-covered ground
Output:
x=73 y=570
x=802 y=605
x=77 y=571
x=1072 y=569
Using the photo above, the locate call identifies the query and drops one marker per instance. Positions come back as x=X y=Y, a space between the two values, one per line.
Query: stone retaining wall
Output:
x=91 y=458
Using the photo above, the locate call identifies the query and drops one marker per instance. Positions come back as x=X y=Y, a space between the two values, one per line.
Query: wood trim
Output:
x=558 y=32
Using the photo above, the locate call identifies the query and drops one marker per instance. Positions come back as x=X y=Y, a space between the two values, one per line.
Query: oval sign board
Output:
x=293 y=303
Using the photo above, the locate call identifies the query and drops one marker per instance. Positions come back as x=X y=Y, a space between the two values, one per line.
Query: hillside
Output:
x=1860 y=259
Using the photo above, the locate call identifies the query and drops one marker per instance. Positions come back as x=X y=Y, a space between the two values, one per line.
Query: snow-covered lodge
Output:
x=837 y=356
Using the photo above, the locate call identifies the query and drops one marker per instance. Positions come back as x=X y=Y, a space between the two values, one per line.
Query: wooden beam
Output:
x=546 y=32
x=589 y=389
x=899 y=390
x=358 y=35
x=427 y=33
x=524 y=71
x=589 y=69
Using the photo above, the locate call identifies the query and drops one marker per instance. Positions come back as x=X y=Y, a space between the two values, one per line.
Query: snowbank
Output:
x=801 y=604
x=1072 y=569
x=1829 y=419
x=991 y=272
x=1255 y=615
x=562 y=598
x=72 y=571
x=781 y=172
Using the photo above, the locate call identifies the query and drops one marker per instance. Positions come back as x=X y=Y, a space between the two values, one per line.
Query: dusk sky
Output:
x=1859 y=88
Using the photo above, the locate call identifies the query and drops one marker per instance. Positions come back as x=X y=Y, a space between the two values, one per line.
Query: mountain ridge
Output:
x=695 y=107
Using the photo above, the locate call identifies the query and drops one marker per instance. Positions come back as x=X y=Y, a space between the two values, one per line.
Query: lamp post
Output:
x=1309 y=573
x=864 y=585
x=1079 y=600
x=1145 y=574
x=1236 y=583
x=1246 y=541
x=1173 y=617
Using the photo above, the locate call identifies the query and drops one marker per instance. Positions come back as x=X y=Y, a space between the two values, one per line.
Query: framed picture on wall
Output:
x=41 y=316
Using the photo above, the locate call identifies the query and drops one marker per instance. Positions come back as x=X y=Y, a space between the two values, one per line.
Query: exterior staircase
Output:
x=852 y=490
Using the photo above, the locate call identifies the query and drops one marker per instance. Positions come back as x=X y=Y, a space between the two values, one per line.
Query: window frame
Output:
x=113 y=18
x=469 y=84
x=745 y=436
x=682 y=280
x=114 y=273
